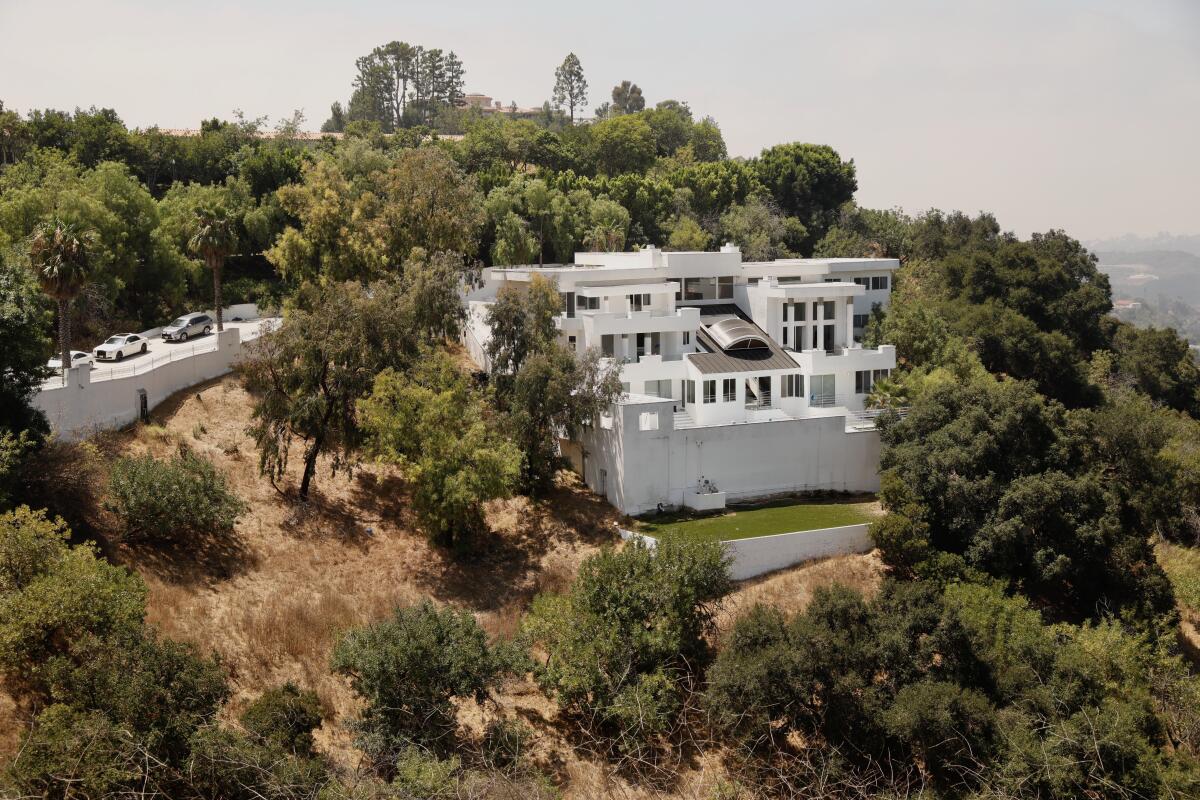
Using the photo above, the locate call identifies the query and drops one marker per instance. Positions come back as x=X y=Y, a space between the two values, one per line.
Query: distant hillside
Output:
x=1188 y=243
x=1150 y=274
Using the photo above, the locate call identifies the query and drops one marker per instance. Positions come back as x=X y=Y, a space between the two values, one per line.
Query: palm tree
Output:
x=213 y=238
x=60 y=255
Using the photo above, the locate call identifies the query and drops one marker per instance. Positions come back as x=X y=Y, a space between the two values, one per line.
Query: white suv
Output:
x=188 y=325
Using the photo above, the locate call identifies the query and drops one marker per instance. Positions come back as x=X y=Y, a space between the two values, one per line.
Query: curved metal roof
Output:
x=736 y=334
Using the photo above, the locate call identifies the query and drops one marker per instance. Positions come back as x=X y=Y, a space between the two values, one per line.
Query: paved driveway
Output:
x=160 y=352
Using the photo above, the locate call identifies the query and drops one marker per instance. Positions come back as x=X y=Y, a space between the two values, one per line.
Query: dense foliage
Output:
x=172 y=499
x=408 y=669
x=959 y=691
x=624 y=642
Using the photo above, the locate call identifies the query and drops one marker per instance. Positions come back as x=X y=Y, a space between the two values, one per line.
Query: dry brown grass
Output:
x=271 y=600
x=791 y=589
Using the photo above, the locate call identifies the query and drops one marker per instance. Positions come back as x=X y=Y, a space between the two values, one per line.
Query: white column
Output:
x=850 y=322
x=819 y=344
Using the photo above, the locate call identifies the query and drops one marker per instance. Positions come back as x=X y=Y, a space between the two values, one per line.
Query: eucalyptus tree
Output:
x=60 y=253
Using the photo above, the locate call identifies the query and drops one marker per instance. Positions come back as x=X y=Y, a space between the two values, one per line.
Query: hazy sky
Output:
x=1082 y=114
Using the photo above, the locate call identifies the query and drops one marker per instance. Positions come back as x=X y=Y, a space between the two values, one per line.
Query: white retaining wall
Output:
x=636 y=469
x=763 y=554
x=88 y=402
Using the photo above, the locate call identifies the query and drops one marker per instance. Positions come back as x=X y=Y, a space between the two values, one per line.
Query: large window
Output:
x=864 y=282
x=879 y=282
x=830 y=310
x=607 y=345
x=729 y=390
x=708 y=288
x=587 y=303
x=661 y=388
x=568 y=303
x=861 y=320
x=639 y=301
x=865 y=379
x=822 y=390
x=689 y=392
x=793 y=386
x=710 y=391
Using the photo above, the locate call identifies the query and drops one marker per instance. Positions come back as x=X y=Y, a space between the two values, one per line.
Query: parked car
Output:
x=188 y=325
x=117 y=347
x=78 y=359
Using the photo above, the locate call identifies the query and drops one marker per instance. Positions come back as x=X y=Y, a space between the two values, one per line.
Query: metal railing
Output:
x=822 y=399
x=145 y=362
x=137 y=364
x=759 y=402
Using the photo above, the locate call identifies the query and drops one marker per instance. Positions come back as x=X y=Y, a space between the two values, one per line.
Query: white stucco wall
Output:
x=89 y=401
x=764 y=554
x=744 y=460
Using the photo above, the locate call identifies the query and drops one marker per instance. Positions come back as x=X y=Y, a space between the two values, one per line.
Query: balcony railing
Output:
x=759 y=403
x=821 y=399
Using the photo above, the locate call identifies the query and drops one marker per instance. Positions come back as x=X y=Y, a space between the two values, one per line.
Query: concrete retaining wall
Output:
x=763 y=554
x=109 y=397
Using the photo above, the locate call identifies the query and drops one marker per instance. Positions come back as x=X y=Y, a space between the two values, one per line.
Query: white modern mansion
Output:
x=742 y=379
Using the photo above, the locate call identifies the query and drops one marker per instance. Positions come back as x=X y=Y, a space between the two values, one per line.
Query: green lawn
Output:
x=782 y=517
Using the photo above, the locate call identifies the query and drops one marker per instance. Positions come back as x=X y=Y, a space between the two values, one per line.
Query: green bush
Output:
x=409 y=669
x=632 y=629
x=421 y=774
x=54 y=597
x=163 y=500
x=284 y=717
x=158 y=690
x=956 y=690
x=69 y=753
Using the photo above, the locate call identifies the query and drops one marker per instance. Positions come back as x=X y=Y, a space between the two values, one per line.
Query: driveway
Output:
x=161 y=352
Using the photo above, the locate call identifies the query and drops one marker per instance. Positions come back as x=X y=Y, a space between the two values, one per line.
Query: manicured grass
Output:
x=782 y=517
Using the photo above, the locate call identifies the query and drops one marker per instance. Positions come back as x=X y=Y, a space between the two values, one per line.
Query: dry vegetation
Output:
x=271 y=599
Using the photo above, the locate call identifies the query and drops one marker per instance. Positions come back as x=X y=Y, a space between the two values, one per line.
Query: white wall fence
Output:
x=762 y=554
x=86 y=401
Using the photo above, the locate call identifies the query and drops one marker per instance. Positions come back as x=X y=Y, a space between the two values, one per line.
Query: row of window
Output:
x=798 y=311
x=706 y=289
x=875 y=284
x=865 y=379
x=571 y=303
x=794 y=337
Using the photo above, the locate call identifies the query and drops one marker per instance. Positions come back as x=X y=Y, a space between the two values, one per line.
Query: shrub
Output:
x=161 y=500
x=158 y=690
x=284 y=717
x=54 y=596
x=505 y=742
x=421 y=774
x=408 y=669
x=78 y=749
x=633 y=627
